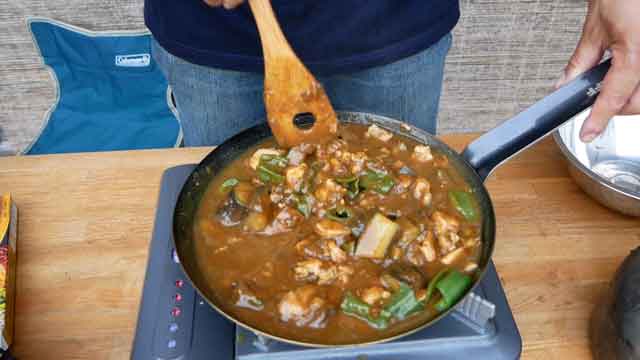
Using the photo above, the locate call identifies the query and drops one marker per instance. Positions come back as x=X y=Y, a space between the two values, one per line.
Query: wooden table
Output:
x=85 y=225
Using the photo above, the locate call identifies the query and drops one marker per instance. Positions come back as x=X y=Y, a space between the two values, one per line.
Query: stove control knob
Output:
x=171 y=344
x=177 y=297
x=179 y=283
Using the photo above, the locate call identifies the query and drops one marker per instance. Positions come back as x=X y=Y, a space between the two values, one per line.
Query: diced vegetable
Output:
x=352 y=184
x=464 y=203
x=376 y=237
x=346 y=179
x=313 y=173
x=403 y=303
x=433 y=283
x=267 y=175
x=271 y=167
x=257 y=156
x=341 y=214
x=302 y=204
x=243 y=193
x=355 y=307
x=451 y=287
x=274 y=162
x=228 y=184
x=376 y=181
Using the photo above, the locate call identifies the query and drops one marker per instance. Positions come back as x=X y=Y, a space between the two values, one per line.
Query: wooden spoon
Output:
x=290 y=89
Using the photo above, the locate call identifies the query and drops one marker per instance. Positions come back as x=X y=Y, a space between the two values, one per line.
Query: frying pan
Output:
x=474 y=164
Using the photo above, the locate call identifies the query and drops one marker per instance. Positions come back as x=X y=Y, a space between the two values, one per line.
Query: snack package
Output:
x=8 y=238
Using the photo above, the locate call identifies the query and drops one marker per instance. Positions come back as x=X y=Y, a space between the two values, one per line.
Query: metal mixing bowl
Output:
x=608 y=168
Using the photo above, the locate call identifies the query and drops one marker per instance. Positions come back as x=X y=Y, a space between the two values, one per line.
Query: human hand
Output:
x=612 y=25
x=228 y=4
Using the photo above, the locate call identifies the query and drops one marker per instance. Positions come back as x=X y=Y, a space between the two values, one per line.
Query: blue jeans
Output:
x=214 y=104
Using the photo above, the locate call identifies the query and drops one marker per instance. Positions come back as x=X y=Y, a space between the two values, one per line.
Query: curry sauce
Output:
x=351 y=241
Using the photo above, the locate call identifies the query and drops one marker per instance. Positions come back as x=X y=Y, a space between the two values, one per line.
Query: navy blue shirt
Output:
x=330 y=36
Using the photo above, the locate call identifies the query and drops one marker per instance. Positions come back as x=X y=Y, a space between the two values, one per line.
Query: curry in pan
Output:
x=350 y=241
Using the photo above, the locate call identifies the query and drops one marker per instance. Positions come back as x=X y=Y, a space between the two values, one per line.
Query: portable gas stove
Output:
x=175 y=323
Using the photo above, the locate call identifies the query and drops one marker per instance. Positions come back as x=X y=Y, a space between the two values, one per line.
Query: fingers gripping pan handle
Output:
x=531 y=125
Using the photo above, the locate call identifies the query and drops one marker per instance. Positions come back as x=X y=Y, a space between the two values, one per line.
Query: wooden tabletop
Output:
x=85 y=224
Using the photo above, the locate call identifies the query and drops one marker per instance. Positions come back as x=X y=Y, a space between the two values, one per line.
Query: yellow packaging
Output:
x=8 y=238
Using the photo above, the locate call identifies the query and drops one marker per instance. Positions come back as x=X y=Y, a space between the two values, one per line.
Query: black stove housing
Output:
x=175 y=323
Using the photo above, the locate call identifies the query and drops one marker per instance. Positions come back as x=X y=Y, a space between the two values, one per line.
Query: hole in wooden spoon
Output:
x=304 y=121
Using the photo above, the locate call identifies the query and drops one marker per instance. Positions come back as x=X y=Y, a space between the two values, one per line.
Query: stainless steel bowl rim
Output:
x=590 y=173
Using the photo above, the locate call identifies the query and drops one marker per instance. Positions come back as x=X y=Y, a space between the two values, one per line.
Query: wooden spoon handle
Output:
x=274 y=44
x=289 y=88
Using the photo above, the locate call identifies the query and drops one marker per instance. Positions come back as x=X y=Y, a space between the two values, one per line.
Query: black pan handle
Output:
x=523 y=130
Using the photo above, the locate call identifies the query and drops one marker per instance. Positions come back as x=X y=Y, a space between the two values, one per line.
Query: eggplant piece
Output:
x=243 y=193
x=407 y=274
x=231 y=212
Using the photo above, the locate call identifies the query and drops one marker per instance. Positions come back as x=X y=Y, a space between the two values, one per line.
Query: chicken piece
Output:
x=421 y=153
x=446 y=230
x=255 y=158
x=414 y=254
x=379 y=133
x=297 y=154
x=384 y=153
x=327 y=250
x=307 y=270
x=331 y=229
x=370 y=200
x=453 y=256
x=403 y=184
x=471 y=242
x=284 y=221
x=374 y=295
x=409 y=232
x=470 y=266
x=358 y=160
x=324 y=273
x=302 y=245
x=428 y=248
x=399 y=148
x=304 y=307
x=313 y=248
x=336 y=254
x=256 y=221
x=344 y=274
x=336 y=145
x=422 y=191
x=294 y=176
x=337 y=167
x=329 y=193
